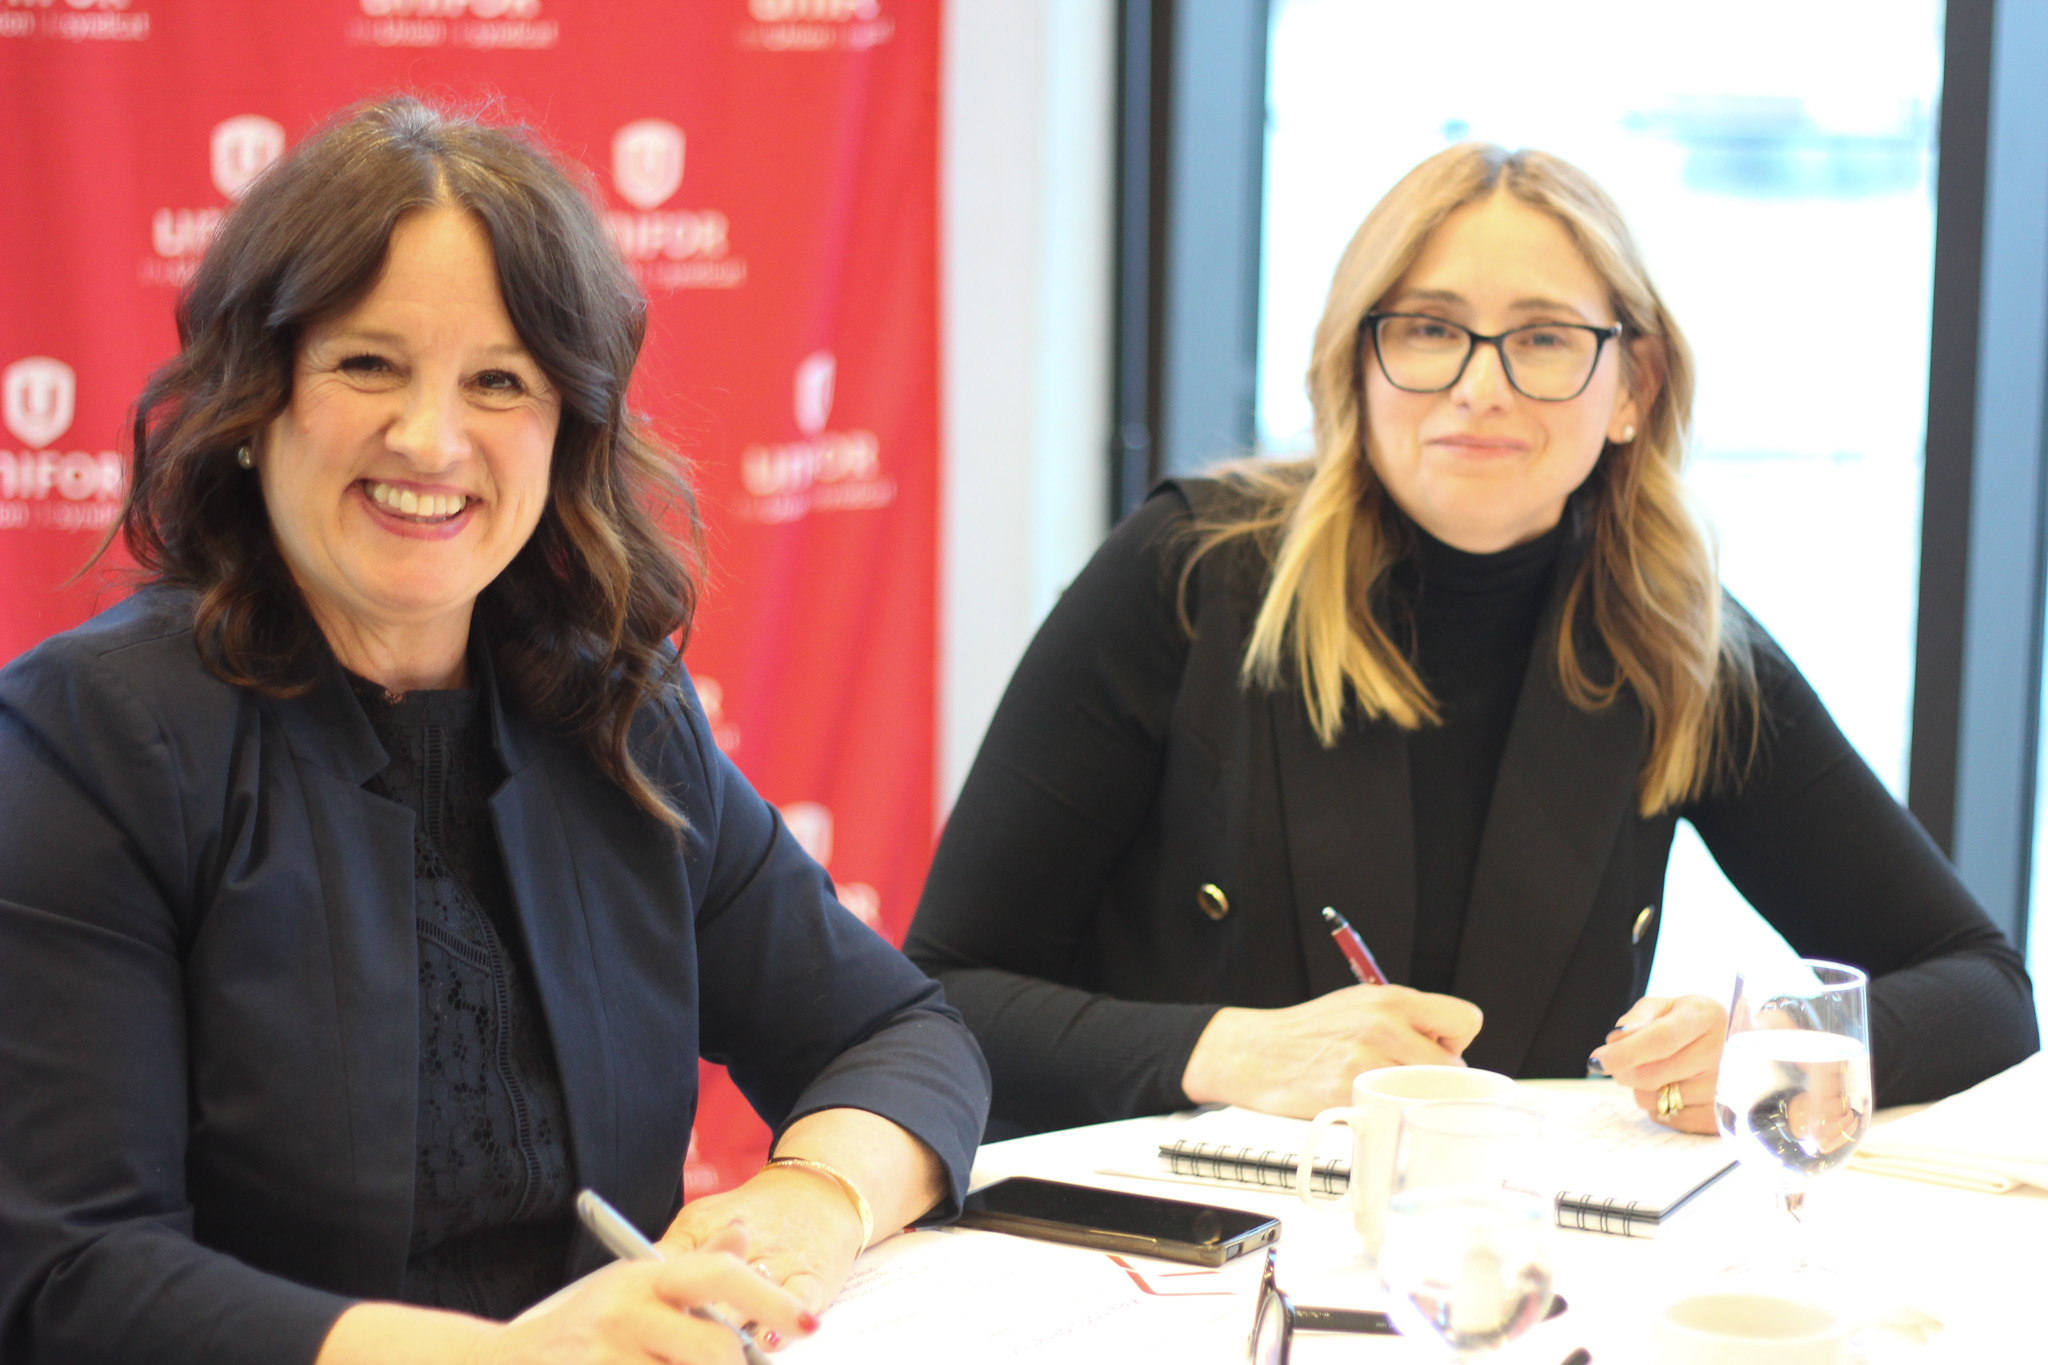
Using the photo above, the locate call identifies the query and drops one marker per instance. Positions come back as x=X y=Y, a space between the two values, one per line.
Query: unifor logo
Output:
x=647 y=162
x=813 y=11
x=451 y=9
x=815 y=378
x=41 y=395
x=243 y=148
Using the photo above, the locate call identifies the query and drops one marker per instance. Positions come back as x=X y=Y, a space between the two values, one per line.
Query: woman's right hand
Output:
x=639 y=1311
x=631 y=1313
x=1300 y=1060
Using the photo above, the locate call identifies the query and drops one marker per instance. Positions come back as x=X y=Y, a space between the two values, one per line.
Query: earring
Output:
x=1627 y=434
x=244 y=458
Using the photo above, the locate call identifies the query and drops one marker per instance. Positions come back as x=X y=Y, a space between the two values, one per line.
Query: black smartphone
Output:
x=1111 y=1220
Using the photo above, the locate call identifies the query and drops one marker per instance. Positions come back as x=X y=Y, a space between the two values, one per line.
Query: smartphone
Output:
x=1111 y=1220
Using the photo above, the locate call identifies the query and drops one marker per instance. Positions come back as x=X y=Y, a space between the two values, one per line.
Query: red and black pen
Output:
x=1353 y=947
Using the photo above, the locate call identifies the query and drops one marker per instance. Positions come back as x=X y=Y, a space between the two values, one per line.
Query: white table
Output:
x=1976 y=1263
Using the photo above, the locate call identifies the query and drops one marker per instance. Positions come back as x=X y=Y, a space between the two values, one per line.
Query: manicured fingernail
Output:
x=1594 y=1066
x=807 y=1321
x=772 y=1339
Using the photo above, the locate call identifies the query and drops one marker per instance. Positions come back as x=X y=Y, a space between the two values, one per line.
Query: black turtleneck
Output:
x=1475 y=622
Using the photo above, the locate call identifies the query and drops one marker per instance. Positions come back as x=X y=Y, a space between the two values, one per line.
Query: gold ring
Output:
x=1669 y=1101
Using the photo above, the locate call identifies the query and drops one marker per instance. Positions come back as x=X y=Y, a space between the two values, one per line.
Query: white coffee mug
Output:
x=1378 y=1099
x=1749 y=1327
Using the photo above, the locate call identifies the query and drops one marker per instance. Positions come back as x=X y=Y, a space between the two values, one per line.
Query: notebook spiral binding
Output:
x=1266 y=1168
x=1615 y=1217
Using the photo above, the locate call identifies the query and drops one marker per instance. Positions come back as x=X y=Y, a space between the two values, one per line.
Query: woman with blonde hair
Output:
x=1457 y=675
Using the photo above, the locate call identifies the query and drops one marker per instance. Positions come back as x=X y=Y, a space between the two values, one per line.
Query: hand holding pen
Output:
x=1668 y=1051
x=1300 y=1059
x=651 y=1308
x=626 y=1242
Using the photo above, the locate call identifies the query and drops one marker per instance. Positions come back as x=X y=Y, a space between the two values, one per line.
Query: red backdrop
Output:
x=769 y=169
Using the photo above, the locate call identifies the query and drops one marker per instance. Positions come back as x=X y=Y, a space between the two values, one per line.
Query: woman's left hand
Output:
x=802 y=1233
x=1669 y=1041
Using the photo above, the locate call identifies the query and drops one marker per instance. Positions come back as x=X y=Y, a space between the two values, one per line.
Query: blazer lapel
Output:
x=1565 y=791
x=1350 y=839
x=540 y=865
x=363 y=845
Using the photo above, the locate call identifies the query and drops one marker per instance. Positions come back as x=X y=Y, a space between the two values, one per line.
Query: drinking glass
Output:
x=1465 y=1260
x=1794 y=1090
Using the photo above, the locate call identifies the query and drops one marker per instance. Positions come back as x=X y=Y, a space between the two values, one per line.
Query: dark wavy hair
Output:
x=578 y=623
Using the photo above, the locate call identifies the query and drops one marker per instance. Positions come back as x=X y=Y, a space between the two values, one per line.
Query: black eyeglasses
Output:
x=1276 y=1319
x=1551 y=362
x=1272 y=1340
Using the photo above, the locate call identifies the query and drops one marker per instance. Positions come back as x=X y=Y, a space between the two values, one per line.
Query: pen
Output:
x=624 y=1241
x=1353 y=947
x=1594 y=1066
x=1368 y=1322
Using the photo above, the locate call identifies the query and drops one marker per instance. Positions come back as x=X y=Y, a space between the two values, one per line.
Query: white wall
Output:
x=1027 y=160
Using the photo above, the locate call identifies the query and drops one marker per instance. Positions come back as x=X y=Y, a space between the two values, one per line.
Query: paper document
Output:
x=962 y=1294
x=1611 y=1168
x=1992 y=1137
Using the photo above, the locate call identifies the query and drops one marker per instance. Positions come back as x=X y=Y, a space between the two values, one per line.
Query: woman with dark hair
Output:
x=1457 y=676
x=369 y=880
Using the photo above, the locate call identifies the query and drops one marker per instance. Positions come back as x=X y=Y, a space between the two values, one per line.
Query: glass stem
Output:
x=1792 y=1199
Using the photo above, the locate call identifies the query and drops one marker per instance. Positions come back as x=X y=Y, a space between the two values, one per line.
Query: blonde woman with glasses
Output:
x=1457 y=675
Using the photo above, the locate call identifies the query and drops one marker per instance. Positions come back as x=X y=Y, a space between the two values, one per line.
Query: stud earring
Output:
x=1627 y=434
x=244 y=458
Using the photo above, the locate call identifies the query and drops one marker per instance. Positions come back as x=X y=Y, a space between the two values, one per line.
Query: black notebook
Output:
x=1604 y=1164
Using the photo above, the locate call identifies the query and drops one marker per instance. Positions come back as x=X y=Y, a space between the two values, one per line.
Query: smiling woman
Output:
x=331 y=274
x=1455 y=445
x=1457 y=676
x=384 y=844
x=411 y=464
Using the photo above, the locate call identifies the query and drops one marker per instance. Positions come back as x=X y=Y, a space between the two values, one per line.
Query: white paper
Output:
x=1993 y=1136
x=1606 y=1148
x=968 y=1294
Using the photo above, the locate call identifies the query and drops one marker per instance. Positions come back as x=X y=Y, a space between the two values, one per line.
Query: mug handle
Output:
x=1304 y=1169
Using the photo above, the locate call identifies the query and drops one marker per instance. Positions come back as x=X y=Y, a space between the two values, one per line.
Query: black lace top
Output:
x=494 y=1183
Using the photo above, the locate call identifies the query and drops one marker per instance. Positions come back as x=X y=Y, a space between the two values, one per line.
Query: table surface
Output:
x=1973 y=1263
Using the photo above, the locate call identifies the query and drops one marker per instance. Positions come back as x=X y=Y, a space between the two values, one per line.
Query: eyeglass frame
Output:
x=1369 y=326
x=1269 y=1288
x=1336 y=1321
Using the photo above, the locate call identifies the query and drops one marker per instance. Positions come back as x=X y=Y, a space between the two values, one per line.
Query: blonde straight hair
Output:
x=1647 y=582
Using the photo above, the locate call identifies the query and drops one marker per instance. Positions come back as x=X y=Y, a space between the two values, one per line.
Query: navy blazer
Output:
x=209 y=997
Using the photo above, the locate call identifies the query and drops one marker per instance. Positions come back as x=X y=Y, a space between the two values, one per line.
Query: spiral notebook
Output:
x=1604 y=1164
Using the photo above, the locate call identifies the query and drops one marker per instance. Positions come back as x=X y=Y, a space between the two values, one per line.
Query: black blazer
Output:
x=208 y=993
x=1127 y=769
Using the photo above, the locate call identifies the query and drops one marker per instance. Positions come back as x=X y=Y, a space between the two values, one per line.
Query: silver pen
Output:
x=624 y=1241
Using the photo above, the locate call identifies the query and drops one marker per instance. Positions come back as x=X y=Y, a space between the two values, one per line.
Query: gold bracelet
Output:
x=853 y=1194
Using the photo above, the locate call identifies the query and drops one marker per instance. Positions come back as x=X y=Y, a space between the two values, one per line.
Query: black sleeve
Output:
x=808 y=1007
x=1845 y=873
x=1064 y=780
x=97 y=1256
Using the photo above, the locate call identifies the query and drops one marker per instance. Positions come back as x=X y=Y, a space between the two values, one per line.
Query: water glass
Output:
x=1466 y=1256
x=1794 y=1092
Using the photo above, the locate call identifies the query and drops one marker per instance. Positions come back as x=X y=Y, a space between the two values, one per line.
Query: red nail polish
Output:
x=807 y=1321
x=772 y=1339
